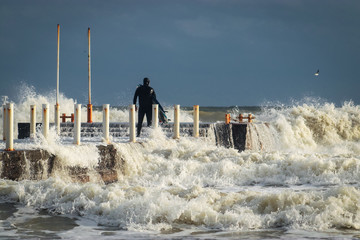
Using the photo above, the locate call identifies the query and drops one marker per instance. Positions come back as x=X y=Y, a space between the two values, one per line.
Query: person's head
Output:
x=146 y=81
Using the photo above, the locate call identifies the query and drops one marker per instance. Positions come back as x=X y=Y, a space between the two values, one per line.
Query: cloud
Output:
x=198 y=27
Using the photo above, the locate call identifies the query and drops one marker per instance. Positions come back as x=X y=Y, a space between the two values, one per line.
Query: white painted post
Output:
x=155 y=115
x=10 y=127
x=32 y=121
x=176 y=121
x=89 y=106
x=89 y=66
x=57 y=119
x=77 y=123
x=106 y=122
x=45 y=120
x=57 y=106
x=196 y=121
x=58 y=65
x=132 y=123
x=4 y=122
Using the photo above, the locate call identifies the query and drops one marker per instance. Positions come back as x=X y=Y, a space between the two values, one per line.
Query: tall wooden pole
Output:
x=57 y=106
x=89 y=106
x=58 y=65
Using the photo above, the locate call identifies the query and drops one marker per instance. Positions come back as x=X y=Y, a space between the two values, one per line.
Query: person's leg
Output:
x=141 y=115
x=149 y=116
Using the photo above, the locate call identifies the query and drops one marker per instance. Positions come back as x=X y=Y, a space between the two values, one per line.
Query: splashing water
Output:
x=302 y=181
x=28 y=96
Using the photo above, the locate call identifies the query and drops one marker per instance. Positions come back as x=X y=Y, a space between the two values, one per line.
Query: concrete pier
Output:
x=116 y=129
x=241 y=136
x=233 y=135
x=39 y=164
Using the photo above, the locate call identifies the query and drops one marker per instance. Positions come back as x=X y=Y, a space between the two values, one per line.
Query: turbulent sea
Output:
x=304 y=186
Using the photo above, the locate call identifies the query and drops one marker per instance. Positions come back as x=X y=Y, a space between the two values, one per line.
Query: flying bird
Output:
x=317 y=73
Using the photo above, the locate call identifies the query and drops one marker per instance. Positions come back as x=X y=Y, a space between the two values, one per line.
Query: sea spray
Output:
x=28 y=96
x=303 y=182
x=261 y=137
x=315 y=127
x=151 y=207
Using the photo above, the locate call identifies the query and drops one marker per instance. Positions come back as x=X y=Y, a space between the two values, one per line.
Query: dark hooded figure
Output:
x=146 y=95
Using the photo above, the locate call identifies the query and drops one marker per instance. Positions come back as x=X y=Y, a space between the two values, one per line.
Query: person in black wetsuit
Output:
x=146 y=95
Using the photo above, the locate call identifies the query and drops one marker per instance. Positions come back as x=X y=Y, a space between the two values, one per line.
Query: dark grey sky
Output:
x=206 y=52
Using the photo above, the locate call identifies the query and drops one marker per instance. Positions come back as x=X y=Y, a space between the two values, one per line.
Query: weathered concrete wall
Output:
x=14 y=165
x=231 y=135
x=245 y=136
x=234 y=135
x=40 y=164
x=116 y=129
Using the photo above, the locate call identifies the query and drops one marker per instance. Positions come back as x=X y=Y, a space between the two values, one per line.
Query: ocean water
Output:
x=304 y=185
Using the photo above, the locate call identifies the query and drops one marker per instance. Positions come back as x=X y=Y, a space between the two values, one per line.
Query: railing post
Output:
x=132 y=123
x=250 y=117
x=10 y=127
x=155 y=115
x=45 y=120
x=106 y=122
x=227 y=118
x=89 y=113
x=196 y=121
x=63 y=117
x=176 y=121
x=32 y=121
x=77 y=123
x=241 y=117
x=4 y=122
x=57 y=118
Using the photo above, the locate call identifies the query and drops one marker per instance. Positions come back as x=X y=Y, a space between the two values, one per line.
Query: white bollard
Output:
x=57 y=119
x=77 y=123
x=106 y=122
x=32 y=121
x=196 y=121
x=132 y=123
x=10 y=127
x=45 y=120
x=4 y=122
x=176 y=121
x=155 y=115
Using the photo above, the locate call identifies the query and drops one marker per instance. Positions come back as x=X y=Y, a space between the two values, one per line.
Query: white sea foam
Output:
x=28 y=96
x=172 y=183
x=303 y=178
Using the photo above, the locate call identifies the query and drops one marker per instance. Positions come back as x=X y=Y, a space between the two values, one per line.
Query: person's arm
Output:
x=154 y=95
x=135 y=96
